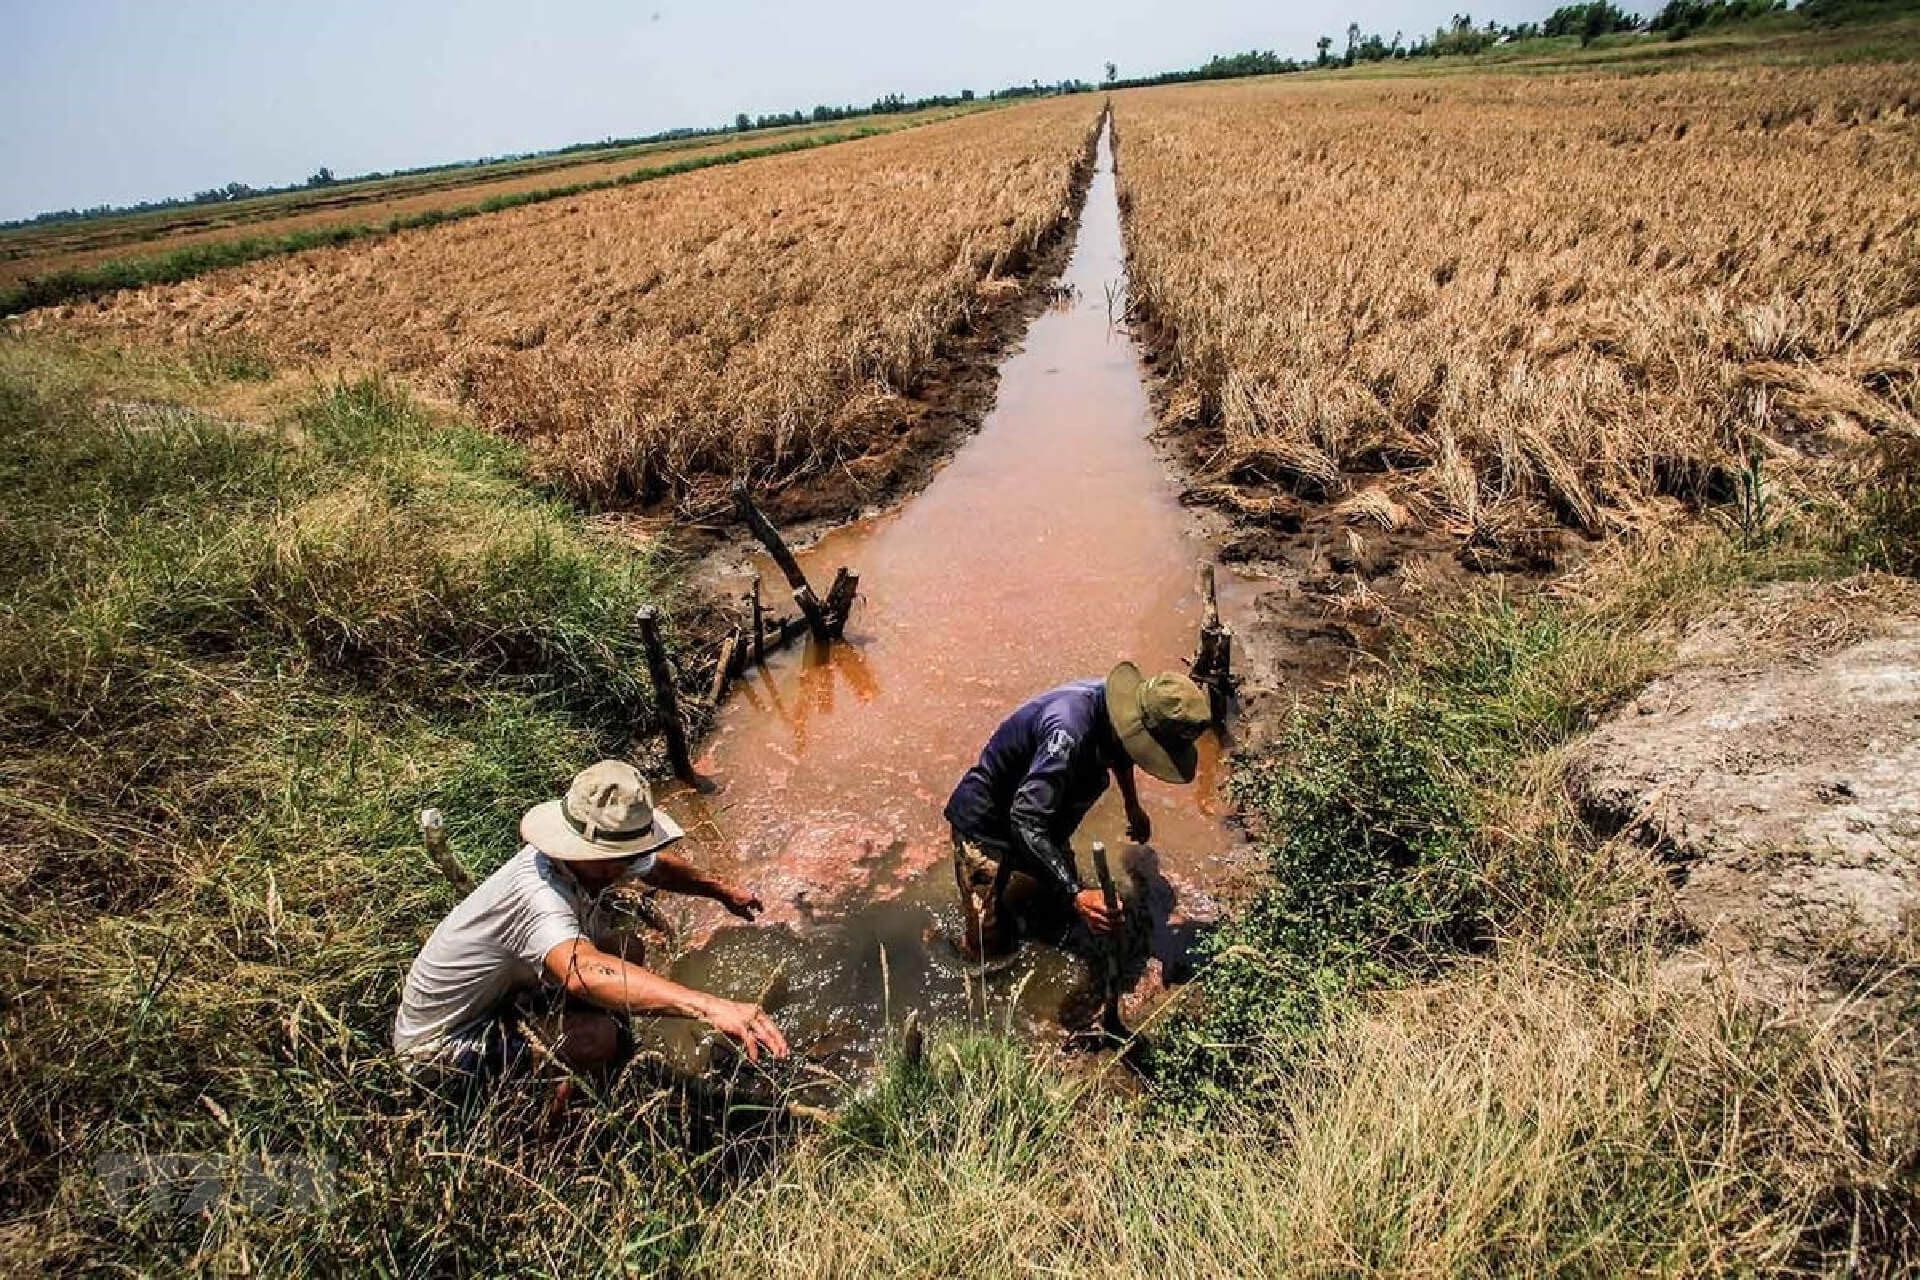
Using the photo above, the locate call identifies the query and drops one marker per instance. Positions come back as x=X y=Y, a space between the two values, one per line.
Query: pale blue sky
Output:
x=110 y=101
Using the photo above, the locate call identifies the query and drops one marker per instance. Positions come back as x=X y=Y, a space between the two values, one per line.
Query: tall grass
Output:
x=1384 y=812
x=1528 y=1117
x=235 y=660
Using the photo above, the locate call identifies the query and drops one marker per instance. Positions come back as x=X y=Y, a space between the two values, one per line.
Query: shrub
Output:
x=1374 y=813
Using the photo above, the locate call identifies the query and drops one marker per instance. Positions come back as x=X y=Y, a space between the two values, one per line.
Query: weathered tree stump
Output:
x=840 y=601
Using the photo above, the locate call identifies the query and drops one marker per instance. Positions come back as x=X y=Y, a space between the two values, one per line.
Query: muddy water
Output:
x=1051 y=546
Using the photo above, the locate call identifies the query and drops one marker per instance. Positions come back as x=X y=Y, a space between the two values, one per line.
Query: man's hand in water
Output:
x=1093 y=909
x=744 y=903
x=747 y=1025
x=1139 y=829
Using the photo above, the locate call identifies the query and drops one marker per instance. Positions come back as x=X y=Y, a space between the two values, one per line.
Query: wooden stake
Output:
x=433 y=833
x=770 y=538
x=1111 y=1024
x=724 y=668
x=666 y=705
x=1213 y=662
x=760 y=639
x=913 y=1041
x=840 y=600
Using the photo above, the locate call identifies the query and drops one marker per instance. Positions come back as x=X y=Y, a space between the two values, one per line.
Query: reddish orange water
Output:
x=1052 y=546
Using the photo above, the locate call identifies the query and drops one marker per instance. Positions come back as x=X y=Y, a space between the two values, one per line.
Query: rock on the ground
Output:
x=1782 y=782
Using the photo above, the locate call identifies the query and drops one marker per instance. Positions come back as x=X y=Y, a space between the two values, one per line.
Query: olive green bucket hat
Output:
x=1158 y=720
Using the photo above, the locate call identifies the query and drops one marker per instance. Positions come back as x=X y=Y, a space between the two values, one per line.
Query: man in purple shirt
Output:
x=1040 y=773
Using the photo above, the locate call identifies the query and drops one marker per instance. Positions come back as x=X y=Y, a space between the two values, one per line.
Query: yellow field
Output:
x=64 y=246
x=1505 y=305
x=763 y=319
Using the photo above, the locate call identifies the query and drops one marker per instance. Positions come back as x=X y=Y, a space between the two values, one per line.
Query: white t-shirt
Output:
x=494 y=943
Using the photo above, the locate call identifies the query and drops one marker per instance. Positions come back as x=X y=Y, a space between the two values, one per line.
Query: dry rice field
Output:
x=40 y=250
x=763 y=320
x=1509 y=306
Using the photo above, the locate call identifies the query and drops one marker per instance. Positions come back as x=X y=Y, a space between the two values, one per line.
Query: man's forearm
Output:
x=677 y=876
x=614 y=984
x=1055 y=860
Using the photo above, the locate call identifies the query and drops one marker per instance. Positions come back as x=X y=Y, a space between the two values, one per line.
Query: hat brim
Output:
x=546 y=828
x=1170 y=760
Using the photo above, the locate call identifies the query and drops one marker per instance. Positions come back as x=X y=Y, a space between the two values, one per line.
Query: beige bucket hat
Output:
x=1158 y=720
x=608 y=813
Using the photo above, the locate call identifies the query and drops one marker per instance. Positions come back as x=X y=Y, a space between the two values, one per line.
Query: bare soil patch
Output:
x=1776 y=770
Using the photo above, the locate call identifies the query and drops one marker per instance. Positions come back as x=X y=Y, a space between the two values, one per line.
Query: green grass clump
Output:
x=1402 y=825
x=235 y=661
x=1374 y=809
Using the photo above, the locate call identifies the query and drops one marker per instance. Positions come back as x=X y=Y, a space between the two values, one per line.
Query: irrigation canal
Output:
x=1051 y=546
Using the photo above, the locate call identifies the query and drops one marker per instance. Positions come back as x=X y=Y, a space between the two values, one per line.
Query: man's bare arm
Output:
x=606 y=980
x=592 y=975
x=676 y=875
x=1139 y=827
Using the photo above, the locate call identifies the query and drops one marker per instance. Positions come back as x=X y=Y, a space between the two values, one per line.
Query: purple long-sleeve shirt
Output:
x=1037 y=777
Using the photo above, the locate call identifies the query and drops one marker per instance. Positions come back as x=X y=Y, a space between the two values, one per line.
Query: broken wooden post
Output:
x=1111 y=1025
x=666 y=705
x=840 y=601
x=433 y=833
x=724 y=668
x=770 y=538
x=816 y=616
x=1212 y=667
x=760 y=638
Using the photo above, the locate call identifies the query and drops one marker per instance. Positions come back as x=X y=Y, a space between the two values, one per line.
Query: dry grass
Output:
x=1531 y=301
x=763 y=320
x=1528 y=1117
x=39 y=250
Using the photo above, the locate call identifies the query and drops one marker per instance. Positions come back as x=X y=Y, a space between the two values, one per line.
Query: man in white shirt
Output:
x=531 y=943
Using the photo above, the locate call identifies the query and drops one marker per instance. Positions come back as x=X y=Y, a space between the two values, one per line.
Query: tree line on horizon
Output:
x=1461 y=35
x=1676 y=19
